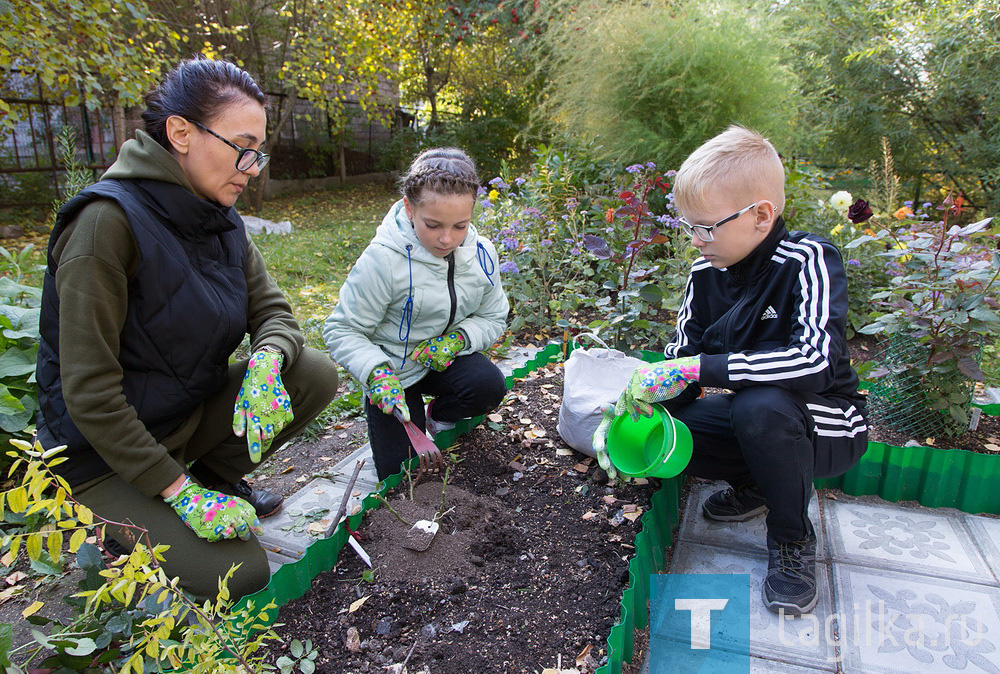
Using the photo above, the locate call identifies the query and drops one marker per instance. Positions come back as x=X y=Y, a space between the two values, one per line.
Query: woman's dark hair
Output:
x=444 y=170
x=197 y=90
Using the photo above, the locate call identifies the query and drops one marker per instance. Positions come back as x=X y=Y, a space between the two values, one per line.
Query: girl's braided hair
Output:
x=443 y=170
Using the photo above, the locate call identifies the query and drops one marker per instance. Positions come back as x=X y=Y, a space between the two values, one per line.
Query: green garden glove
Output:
x=439 y=352
x=657 y=382
x=213 y=515
x=386 y=391
x=600 y=441
x=263 y=407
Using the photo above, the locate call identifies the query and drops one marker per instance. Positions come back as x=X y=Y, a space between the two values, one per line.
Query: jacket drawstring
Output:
x=407 y=317
x=483 y=256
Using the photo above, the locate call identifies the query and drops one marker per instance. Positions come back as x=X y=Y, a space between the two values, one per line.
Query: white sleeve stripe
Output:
x=830 y=409
x=778 y=376
x=784 y=364
x=840 y=434
x=684 y=314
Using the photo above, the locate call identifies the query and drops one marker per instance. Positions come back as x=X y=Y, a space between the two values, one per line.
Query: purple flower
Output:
x=487 y=204
x=546 y=243
x=510 y=243
x=634 y=168
x=574 y=251
x=509 y=268
x=650 y=164
x=571 y=204
x=670 y=174
x=927 y=204
x=908 y=204
x=499 y=184
x=481 y=191
x=531 y=212
x=568 y=240
x=854 y=263
x=519 y=181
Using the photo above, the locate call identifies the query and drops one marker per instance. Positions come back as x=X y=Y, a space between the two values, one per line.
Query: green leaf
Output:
x=89 y=556
x=9 y=404
x=651 y=293
x=307 y=667
x=6 y=639
x=14 y=362
x=958 y=414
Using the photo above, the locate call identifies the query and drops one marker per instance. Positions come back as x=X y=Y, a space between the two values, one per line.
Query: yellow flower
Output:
x=493 y=195
x=837 y=230
x=902 y=246
x=902 y=213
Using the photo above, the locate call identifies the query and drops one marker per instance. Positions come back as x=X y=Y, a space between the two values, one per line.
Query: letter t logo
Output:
x=701 y=619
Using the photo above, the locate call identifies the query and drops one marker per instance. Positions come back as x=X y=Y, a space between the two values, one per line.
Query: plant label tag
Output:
x=977 y=413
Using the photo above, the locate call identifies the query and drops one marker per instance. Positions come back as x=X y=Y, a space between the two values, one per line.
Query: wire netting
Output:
x=912 y=397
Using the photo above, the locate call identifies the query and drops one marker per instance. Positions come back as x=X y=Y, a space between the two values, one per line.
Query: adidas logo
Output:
x=769 y=313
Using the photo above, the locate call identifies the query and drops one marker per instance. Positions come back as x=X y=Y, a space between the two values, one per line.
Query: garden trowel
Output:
x=420 y=535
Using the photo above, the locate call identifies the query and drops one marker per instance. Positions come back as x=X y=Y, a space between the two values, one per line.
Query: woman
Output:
x=152 y=283
x=418 y=308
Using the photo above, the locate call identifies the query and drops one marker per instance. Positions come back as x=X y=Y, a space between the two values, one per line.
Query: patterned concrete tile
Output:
x=795 y=641
x=908 y=540
x=986 y=534
x=743 y=536
x=318 y=494
x=893 y=623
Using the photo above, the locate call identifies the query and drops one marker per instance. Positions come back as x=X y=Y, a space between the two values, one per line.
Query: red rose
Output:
x=859 y=211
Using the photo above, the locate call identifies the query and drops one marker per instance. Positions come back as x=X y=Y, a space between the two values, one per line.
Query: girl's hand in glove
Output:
x=387 y=392
x=439 y=352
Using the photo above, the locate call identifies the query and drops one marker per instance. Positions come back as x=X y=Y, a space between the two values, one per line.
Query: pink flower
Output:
x=274 y=404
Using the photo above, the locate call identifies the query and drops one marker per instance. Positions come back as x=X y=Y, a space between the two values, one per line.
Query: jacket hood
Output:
x=396 y=233
x=142 y=158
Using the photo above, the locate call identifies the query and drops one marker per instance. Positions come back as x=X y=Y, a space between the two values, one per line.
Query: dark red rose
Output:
x=859 y=212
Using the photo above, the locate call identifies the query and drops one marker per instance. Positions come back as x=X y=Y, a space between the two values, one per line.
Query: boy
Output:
x=764 y=315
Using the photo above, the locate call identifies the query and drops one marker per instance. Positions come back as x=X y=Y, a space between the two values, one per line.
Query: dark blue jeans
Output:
x=471 y=386
x=767 y=435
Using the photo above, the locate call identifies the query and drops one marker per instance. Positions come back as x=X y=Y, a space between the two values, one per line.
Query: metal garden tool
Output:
x=420 y=535
x=430 y=456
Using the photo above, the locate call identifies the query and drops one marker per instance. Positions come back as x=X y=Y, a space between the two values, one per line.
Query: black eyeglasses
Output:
x=704 y=232
x=246 y=156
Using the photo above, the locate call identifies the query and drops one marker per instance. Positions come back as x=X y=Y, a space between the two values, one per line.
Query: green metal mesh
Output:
x=909 y=399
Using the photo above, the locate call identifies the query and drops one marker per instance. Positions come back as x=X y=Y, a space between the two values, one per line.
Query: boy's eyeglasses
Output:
x=704 y=232
x=246 y=156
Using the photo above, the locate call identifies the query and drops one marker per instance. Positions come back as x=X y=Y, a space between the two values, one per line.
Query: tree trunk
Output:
x=343 y=166
x=118 y=125
x=259 y=188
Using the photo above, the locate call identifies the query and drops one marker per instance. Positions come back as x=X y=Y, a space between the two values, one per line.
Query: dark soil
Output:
x=527 y=569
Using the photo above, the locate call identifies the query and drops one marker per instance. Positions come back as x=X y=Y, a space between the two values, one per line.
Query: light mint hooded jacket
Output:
x=369 y=325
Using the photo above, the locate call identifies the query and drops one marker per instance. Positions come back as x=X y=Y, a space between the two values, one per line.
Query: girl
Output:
x=419 y=306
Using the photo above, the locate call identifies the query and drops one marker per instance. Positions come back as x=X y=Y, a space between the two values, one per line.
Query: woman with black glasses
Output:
x=152 y=283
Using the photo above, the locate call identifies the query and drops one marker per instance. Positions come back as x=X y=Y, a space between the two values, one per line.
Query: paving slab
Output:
x=799 y=641
x=742 y=536
x=897 y=623
x=279 y=539
x=986 y=534
x=909 y=540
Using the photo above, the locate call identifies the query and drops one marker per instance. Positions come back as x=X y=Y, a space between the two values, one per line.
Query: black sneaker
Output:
x=790 y=585
x=114 y=548
x=264 y=502
x=735 y=505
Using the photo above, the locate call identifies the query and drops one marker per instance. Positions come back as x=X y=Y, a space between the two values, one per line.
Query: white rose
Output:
x=841 y=200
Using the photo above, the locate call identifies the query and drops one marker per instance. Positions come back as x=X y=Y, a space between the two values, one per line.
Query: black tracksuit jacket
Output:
x=778 y=318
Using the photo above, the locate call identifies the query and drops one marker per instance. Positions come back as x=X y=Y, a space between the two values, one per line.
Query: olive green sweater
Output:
x=95 y=257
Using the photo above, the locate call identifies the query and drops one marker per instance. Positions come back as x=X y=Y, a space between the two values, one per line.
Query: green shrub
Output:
x=655 y=80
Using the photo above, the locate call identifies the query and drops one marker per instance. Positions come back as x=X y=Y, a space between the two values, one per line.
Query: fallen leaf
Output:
x=539 y=432
x=353 y=642
x=515 y=465
x=495 y=418
x=929 y=441
x=995 y=441
x=359 y=603
x=589 y=515
x=581 y=467
x=318 y=527
x=342 y=435
x=548 y=385
x=33 y=609
x=16 y=577
x=326 y=458
x=10 y=592
x=632 y=517
x=583 y=654
x=525 y=421
x=609 y=499
x=7 y=559
x=301 y=479
x=563 y=451
x=356 y=493
x=288 y=469
x=355 y=509
x=630 y=508
x=319 y=491
x=990 y=447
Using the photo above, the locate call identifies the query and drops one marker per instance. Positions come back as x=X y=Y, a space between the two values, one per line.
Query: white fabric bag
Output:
x=593 y=378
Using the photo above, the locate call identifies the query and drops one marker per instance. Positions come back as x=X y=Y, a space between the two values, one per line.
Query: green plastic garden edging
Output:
x=933 y=477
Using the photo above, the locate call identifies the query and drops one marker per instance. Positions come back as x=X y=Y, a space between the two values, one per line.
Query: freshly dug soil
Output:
x=528 y=567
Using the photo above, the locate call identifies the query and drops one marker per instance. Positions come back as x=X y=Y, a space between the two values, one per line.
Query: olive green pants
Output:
x=311 y=382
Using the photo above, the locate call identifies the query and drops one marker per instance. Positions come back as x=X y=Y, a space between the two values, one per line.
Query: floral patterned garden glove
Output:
x=439 y=352
x=263 y=407
x=600 y=441
x=213 y=515
x=386 y=391
x=657 y=382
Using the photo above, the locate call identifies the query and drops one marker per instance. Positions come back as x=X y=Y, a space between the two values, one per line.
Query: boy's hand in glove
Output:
x=263 y=407
x=387 y=392
x=657 y=382
x=439 y=352
x=213 y=515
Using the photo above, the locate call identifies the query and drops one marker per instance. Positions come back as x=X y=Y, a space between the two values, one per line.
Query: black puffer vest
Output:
x=187 y=312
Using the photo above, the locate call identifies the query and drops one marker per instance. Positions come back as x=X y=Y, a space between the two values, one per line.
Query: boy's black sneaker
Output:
x=735 y=505
x=791 y=576
x=264 y=502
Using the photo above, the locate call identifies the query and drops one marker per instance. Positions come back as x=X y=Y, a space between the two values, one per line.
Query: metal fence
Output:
x=32 y=174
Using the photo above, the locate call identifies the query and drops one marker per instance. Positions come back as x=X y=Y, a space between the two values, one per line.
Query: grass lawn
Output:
x=330 y=228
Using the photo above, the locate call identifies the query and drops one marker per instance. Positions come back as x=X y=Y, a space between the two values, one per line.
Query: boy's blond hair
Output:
x=742 y=161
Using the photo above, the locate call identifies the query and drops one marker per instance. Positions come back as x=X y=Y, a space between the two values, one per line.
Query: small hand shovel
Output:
x=420 y=535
